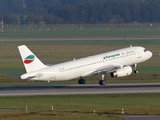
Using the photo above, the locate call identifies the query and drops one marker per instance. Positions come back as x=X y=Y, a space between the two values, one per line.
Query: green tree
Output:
x=10 y=18
x=50 y=19
x=15 y=6
x=34 y=7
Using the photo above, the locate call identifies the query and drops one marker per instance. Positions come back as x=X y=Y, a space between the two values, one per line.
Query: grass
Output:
x=79 y=106
x=113 y=32
x=82 y=103
x=61 y=116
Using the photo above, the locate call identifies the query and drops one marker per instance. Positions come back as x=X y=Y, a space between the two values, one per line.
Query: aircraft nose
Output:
x=150 y=54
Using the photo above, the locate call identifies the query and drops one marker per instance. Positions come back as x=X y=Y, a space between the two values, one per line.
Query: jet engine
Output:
x=121 y=72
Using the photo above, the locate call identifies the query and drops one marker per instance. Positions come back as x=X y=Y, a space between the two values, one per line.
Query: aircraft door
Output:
x=138 y=53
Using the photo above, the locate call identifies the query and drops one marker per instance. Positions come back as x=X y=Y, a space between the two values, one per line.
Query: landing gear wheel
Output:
x=136 y=71
x=102 y=82
x=81 y=81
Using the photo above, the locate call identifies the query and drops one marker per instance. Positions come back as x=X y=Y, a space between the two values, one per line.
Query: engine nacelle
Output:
x=121 y=72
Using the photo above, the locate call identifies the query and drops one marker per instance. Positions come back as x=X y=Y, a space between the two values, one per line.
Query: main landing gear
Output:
x=135 y=68
x=81 y=81
x=101 y=82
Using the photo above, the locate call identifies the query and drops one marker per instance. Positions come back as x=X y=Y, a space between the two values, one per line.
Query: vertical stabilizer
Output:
x=30 y=61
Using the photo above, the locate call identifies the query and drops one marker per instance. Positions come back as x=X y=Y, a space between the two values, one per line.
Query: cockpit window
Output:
x=145 y=50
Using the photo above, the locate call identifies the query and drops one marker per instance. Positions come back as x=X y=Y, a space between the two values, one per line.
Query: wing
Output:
x=103 y=70
x=109 y=68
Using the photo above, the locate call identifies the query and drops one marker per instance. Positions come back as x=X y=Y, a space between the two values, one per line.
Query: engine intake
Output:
x=121 y=72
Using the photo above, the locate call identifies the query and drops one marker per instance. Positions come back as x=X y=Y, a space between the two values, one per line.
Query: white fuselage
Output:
x=89 y=66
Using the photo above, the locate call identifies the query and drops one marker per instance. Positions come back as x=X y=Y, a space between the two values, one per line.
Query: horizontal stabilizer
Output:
x=13 y=74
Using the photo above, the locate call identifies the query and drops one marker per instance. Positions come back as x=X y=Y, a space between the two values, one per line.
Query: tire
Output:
x=136 y=71
x=81 y=81
x=102 y=82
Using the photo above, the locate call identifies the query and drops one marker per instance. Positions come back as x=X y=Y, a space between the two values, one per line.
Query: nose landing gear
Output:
x=135 y=68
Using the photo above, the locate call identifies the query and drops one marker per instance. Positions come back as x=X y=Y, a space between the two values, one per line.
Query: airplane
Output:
x=118 y=63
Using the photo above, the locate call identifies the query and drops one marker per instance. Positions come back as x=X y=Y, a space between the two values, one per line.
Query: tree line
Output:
x=79 y=11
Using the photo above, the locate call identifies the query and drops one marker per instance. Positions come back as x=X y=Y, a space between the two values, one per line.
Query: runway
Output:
x=80 y=89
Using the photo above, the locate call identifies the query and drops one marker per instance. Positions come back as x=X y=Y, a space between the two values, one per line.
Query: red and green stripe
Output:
x=29 y=59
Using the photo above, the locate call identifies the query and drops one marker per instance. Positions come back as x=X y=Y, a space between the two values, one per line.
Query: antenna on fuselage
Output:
x=129 y=42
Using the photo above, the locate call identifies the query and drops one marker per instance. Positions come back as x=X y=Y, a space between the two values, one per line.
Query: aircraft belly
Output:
x=42 y=77
x=101 y=69
x=63 y=76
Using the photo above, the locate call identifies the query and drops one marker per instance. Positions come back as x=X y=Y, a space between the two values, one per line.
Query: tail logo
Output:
x=29 y=59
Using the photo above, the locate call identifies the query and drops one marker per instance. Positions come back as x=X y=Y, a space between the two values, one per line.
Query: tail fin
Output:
x=30 y=61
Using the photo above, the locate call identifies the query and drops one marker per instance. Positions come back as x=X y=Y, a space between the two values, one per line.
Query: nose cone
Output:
x=150 y=54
